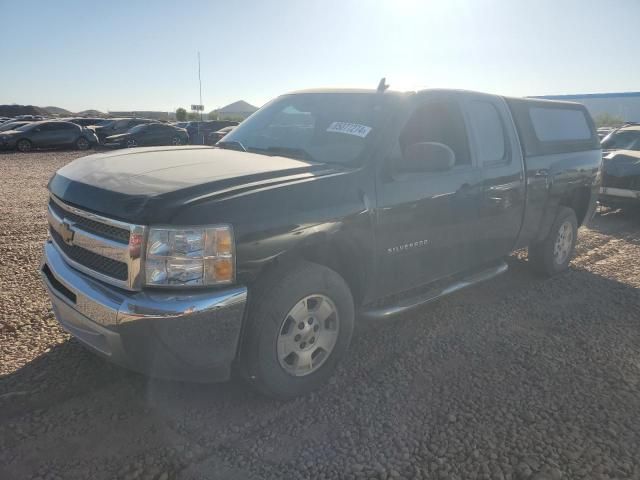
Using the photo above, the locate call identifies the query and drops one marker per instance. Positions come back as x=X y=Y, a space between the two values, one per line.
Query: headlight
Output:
x=190 y=256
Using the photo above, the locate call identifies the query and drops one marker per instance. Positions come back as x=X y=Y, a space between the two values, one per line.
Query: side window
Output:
x=558 y=125
x=488 y=132
x=439 y=121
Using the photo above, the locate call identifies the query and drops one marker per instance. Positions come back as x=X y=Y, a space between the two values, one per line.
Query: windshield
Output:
x=10 y=126
x=622 y=140
x=26 y=127
x=320 y=127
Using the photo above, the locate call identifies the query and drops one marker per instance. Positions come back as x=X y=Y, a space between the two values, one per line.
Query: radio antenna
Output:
x=382 y=86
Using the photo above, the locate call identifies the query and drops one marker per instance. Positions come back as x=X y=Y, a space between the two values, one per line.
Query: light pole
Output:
x=201 y=109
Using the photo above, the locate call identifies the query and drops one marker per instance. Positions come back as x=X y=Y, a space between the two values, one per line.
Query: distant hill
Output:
x=57 y=111
x=15 y=110
x=91 y=113
x=239 y=110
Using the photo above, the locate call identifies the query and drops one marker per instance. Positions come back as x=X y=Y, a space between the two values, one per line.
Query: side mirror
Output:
x=428 y=157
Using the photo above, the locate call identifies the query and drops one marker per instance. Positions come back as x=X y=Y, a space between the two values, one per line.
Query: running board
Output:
x=410 y=303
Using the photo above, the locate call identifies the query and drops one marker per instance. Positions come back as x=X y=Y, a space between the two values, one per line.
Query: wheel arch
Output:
x=579 y=200
x=341 y=256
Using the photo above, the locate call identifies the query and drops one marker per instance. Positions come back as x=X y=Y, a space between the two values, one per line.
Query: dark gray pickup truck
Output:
x=324 y=208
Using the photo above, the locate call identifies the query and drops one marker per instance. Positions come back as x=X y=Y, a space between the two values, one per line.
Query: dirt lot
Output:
x=520 y=377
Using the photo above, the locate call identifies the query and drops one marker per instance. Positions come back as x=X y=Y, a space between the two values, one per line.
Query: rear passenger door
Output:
x=150 y=135
x=66 y=134
x=497 y=152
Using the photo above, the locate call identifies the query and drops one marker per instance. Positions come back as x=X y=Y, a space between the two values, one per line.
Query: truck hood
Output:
x=121 y=183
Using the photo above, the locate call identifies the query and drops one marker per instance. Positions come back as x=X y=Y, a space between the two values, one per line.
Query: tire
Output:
x=24 y=145
x=175 y=141
x=83 y=144
x=131 y=143
x=552 y=255
x=304 y=291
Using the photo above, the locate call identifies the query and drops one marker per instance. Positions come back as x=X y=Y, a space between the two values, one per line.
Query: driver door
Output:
x=43 y=135
x=426 y=221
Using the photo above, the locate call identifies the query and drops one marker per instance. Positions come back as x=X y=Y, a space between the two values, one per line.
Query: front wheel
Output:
x=553 y=254
x=24 y=145
x=176 y=141
x=131 y=143
x=82 y=143
x=299 y=326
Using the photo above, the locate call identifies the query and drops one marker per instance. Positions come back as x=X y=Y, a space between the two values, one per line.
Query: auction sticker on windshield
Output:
x=349 y=128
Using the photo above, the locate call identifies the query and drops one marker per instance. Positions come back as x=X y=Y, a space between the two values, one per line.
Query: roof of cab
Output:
x=347 y=90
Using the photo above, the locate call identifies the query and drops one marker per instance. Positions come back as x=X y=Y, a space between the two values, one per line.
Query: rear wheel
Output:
x=176 y=141
x=82 y=143
x=24 y=145
x=553 y=254
x=299 y=326
x=131 y=142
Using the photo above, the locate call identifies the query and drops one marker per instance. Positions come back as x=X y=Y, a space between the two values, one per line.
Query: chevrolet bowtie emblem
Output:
x=66 y=233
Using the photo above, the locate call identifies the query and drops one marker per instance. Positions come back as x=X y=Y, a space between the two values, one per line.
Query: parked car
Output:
x=199 y=131
x=603 y=132
x=621 y=168
x=48 y=134
x=32 y=118
x=215 y=137
x=115 y=126
x=626 y=137
x=12 y=125
x=85 y=121
x=148 y=134
x=322 y=205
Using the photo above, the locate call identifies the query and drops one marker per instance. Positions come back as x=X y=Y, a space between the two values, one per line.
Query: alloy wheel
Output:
x=308 y=335
x=563 y=244
x=24 y=145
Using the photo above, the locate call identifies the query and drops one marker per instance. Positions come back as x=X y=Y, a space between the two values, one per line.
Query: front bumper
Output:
x=8 y=143
x=177 y=335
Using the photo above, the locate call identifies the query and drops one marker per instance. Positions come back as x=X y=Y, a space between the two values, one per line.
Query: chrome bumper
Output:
x=182 y=335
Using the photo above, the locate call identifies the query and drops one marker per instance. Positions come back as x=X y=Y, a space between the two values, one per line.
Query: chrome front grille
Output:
x=102 y=229
x=106 y=249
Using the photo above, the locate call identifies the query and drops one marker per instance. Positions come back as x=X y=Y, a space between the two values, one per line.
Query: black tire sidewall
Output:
x=80 y=140
x=546 y=255
x=266 y=315
x=23 y=140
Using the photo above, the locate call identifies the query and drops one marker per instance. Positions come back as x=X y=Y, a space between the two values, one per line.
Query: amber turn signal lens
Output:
x=223 y=268
x=224 y=244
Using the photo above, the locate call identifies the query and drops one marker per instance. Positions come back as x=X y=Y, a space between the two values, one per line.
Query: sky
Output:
x=142 y=55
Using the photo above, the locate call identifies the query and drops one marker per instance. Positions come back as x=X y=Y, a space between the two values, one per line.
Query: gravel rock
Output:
x=517 y=378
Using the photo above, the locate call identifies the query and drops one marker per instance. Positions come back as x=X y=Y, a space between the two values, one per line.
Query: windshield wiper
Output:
x=230 y=144
x=291 y=152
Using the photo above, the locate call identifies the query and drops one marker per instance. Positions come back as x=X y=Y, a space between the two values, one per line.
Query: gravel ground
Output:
x=518 y=378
